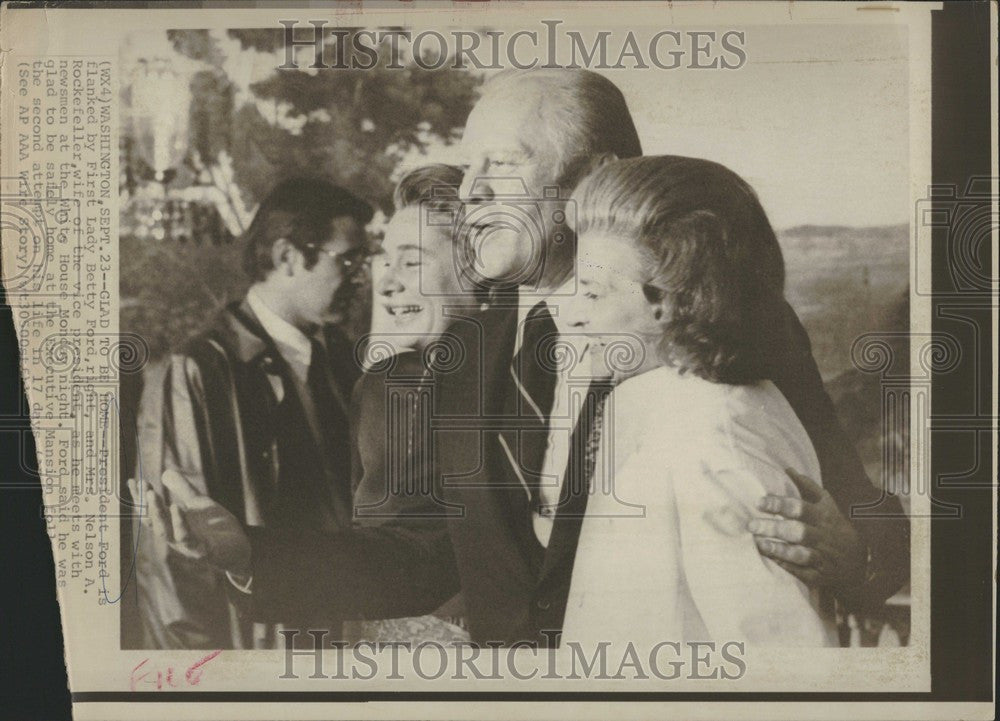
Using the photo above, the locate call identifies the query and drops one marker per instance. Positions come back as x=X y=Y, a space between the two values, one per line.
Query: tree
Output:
x=352 y=126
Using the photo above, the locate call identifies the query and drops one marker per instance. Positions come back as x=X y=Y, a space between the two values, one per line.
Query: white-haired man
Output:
x=513 y=453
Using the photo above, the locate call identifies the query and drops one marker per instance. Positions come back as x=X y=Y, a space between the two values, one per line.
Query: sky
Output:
x=816 y=120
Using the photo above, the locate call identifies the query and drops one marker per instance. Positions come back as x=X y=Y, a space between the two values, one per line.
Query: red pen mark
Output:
x=160 y=679
x=193 y=674
x=136 y=679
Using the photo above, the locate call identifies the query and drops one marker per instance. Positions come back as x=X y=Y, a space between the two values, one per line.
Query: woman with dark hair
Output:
x=262 y=467
x=679 y=272
x=415 y=273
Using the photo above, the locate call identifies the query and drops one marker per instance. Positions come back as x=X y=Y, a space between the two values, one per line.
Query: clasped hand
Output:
x=184 y=522
x=810 y=538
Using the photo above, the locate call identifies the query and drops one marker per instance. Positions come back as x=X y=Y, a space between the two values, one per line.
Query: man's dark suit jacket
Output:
x=515 y=590
x=226 y=428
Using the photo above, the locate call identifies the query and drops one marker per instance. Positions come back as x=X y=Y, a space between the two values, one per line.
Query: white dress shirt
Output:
x=292 y=343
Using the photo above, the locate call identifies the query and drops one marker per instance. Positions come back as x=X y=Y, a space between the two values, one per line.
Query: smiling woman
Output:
x=416 y=271
x=415 y=275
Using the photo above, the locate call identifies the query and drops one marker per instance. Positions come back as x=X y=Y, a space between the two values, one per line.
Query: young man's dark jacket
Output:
x=234 y=422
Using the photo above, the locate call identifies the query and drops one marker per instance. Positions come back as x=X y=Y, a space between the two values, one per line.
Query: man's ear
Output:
x=282 y=256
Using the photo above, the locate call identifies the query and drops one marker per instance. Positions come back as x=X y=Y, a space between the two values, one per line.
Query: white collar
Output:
x=293 y=344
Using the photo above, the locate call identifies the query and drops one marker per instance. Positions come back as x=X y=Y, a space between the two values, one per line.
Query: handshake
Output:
x=183 y=521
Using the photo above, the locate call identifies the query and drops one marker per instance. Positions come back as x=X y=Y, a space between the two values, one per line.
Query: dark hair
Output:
x=300 y=210
x=715 y=263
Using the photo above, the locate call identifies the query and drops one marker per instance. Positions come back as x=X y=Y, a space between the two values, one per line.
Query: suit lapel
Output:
x=482 y=394
x=341 y=371
x=564 y=539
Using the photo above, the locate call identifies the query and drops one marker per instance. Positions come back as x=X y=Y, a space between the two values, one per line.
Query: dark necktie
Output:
x=333 y=426
x=535 y=378
x=532 y=366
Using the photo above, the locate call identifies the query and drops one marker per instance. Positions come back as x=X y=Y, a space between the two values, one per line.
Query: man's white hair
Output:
x=583 y=114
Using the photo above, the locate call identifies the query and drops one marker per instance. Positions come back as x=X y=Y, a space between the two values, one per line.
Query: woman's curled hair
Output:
x=714 y=263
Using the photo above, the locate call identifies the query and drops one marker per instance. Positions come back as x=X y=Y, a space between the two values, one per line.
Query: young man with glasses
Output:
x=255 y=409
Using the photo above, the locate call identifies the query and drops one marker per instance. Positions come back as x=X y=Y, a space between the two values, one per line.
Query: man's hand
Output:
x=812 y=541
x=192 y=525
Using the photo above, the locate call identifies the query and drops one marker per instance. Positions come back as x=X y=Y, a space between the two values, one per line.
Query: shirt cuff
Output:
x=244 y=587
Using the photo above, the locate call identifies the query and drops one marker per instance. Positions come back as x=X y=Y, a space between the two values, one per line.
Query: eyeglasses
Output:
x=352 y=259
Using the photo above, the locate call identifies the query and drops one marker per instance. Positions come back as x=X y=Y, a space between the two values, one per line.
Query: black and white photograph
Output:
x=514 y=355
x=389 y=354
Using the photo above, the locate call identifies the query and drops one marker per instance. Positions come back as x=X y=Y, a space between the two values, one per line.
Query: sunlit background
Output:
x=816 y=121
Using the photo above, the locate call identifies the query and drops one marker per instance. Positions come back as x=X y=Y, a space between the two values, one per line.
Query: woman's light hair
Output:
x=436 y=184
x=583 y=114
x=714 y=263
x=434 y=188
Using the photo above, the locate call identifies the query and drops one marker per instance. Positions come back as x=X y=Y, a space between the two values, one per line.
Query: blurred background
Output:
x=209 y=125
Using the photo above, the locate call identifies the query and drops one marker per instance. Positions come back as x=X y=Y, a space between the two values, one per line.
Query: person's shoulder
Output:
x=672 y=392
x=755 y=405
x=335 y=338
x=406 y=364
x=743 y=409
x=404 y=372
x=686 y=404
x=344 y=354
x=475 y=338
x=476 y=319
x=216 y=339
x=654 y=402
x=758 y=422
x=651 y=383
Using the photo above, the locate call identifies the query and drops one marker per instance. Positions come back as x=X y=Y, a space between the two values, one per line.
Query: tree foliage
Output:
x=352 y=126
